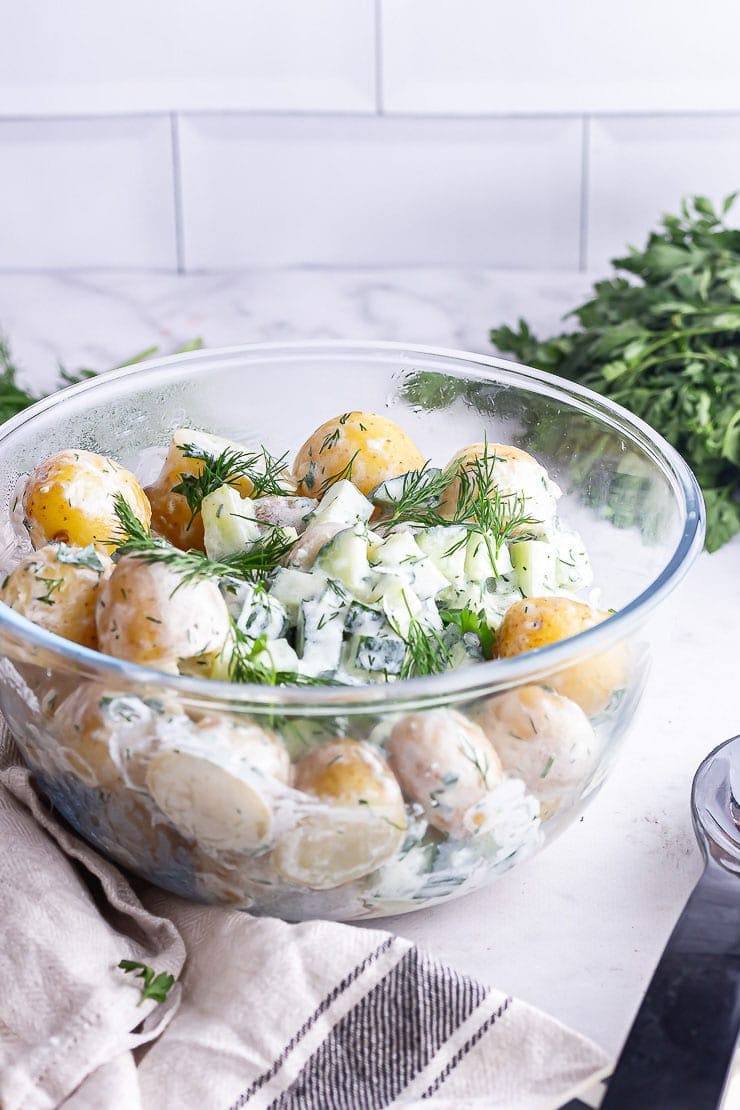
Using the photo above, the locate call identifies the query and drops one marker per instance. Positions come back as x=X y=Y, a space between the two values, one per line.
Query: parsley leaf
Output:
x=156 y=986
x=665 y=343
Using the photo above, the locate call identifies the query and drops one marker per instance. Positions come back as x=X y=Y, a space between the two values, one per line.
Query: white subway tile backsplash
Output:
x=640 y=168
x=476 y=56
x=87 y=193
x=341 y=191
x=83 y=56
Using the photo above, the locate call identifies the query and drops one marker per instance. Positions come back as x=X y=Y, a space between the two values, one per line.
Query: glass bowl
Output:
x=632 y=498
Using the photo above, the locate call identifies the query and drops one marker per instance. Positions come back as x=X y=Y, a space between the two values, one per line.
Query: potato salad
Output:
x=357 y=561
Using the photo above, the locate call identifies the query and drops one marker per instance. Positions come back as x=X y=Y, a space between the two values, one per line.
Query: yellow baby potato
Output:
x=514 y=473
x=221 y=787
x=542 y=738
x=358 y=822
x=446 y=763
x=70 y=498
x=171 y=515
x=536 y=622
x=376 y=447
x=57 y=588
x=147 y=614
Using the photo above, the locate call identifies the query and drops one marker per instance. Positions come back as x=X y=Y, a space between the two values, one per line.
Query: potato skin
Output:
x=348 y=772
x=535 y=622
x=359 y=824
x=514 y=473
x=146 y=613
x=446 y=763
x=542 y=738
x=70 y=497
x=381 y=450
x=59 y=596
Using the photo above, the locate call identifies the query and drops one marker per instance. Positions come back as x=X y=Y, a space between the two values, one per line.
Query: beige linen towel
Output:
x=316 y=1016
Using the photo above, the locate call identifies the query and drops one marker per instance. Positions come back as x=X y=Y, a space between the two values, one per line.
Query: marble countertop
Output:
x=577 y=930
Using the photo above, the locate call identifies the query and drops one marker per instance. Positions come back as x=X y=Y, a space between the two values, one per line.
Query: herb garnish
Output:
x=136 y=540
x=469 y=621
x=251 y=662
x=665 y=343
x=156 y=986
x=265 y=473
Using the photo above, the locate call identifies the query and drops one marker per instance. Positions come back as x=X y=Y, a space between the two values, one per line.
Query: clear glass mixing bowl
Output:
x=633 y=499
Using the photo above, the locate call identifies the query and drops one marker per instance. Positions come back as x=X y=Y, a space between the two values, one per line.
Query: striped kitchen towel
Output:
x=317 y=1016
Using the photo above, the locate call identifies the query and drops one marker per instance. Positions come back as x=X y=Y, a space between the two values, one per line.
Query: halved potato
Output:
x=221 y=786
x=358 y=824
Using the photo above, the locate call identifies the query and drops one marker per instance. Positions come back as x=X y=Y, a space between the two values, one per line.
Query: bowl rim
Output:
x=464 y=683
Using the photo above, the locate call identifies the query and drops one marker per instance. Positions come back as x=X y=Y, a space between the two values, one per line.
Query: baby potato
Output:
x=446 y=763
x=219 y=787
x=535 y=622
x=70 y=497
x=57 y=588
x=148 y=614
x=106 y=737
x=542 y=738
x=376 y=447
x=514 y=473
x=360 y=825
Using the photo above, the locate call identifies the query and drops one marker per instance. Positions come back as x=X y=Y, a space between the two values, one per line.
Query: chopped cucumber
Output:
x=534 y=562
x=446 y=546
x=397 y=549
x=228 y=522
x=319 y=634
x=291 y=586
x=345 y=558
x=399 y=601
x=482 y=562
x=364 y=620
x=262 y=614
x=342 y=504
x=377 y=654
x=392 y=490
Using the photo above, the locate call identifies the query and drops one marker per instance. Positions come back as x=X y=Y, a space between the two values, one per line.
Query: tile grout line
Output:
x=379 y=108
x=371 y=113
x=177 y=193
x=584 y=193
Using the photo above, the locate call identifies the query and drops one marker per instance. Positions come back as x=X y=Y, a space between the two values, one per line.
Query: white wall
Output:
x=198 y=134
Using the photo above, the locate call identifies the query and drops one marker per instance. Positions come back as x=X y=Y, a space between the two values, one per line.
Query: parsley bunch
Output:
x=664 y=341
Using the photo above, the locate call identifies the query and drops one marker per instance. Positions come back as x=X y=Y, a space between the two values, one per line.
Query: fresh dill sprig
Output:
x=481 y=507
x=426 y=652
x=136 y=540
x=260 y=468
x=420 y=495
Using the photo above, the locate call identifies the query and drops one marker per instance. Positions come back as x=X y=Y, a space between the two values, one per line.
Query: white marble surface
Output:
x=578 y=929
